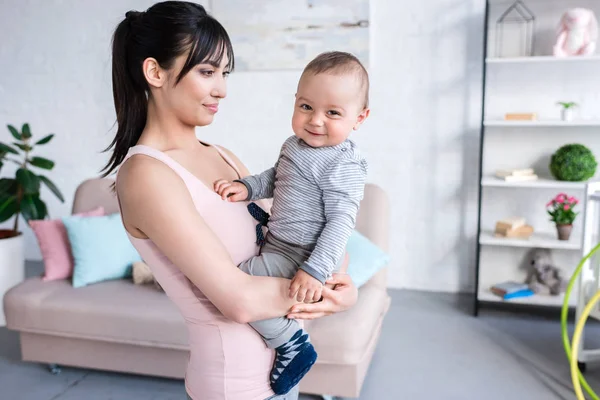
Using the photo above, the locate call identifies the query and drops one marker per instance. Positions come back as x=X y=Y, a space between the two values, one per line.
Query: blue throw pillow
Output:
x=101 y=249
x=365 y=258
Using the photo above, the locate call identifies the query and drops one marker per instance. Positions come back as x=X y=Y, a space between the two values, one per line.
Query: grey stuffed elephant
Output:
x=543 y=276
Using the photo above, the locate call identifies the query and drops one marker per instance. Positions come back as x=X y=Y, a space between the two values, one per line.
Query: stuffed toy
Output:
x=577 y=33
x=143 y=275
x=543 y=276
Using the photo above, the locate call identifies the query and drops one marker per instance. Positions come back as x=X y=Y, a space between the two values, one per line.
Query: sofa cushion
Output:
x=52 y=238
x=366 y=259
x=343 y=338
x=116 y=311
x=101 y=249
x=119 y=311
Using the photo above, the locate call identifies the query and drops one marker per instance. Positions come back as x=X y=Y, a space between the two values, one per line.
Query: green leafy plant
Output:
x=567 y=104
x=573 y=162
x=21 y=195
x=561 y=209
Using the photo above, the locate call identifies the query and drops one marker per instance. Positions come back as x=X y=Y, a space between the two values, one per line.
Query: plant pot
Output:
x=564 y=231
x=12 y=266
x=566 y=114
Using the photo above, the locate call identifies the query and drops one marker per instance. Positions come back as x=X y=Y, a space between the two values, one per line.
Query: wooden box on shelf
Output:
x=513 y=227
x=520 y=117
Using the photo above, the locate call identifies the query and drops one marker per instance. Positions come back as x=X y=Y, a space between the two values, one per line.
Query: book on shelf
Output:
x=511 y=290
x=501 y=173
x=517 y=175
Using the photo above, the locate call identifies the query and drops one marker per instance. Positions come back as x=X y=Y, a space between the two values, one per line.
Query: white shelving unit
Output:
x=542 y=59
x=542 y=123
x=545 y=300
x=540 y=183
x=544 y=240
x=533 y=84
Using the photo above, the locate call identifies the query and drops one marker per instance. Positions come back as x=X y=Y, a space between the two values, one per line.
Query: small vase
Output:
x=567 y=114
x=564 y=231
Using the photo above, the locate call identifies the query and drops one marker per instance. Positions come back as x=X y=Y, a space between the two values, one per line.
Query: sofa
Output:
x=118 y=326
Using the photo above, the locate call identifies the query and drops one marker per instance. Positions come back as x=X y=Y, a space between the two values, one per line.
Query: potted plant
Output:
x=20 y=196
x=567 y=110
x=561 y=212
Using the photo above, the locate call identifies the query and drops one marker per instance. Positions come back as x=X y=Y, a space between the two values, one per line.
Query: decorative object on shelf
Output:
x=573 y=163
x=513 y=227
x=543 y=276
x=561 y=212
x=511 y=290
x=517 y=175
x=566 y=112
x=577 y=33
x=520 y=117
x=514 y=31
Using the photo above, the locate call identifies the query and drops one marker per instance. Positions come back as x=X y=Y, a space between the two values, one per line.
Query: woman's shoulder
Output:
x=140 y=169
x=142 y=178
x=243 y=170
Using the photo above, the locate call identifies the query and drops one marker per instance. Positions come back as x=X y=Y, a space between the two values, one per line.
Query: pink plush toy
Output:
x=577 y=33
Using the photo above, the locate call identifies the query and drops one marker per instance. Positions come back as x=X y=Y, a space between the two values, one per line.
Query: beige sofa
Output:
x=119 y=326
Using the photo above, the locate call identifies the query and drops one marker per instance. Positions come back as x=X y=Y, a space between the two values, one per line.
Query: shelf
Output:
x=491 y=181
x=543 y=123
x=543 y=240
x=535 y=300
x=541 y=59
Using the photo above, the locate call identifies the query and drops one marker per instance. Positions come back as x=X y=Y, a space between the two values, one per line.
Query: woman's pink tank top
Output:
x=227 y=360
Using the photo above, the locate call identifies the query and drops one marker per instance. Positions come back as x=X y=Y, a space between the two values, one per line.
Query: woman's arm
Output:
x=155 y=201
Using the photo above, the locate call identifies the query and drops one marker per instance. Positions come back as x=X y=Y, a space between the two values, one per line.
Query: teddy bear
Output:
x=142 y=275
x=577 y=33
x=543 y=276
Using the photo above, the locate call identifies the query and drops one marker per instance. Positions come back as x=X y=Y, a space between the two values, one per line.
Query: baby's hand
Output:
x=231 y=191
x=305 y=288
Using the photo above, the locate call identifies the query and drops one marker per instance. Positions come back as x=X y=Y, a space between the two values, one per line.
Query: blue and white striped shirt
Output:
x=316 y=195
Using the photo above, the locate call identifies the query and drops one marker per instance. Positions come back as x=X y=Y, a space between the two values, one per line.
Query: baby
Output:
x=316 y=184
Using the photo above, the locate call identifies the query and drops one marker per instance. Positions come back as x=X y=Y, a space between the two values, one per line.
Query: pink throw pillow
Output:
x=55 y=247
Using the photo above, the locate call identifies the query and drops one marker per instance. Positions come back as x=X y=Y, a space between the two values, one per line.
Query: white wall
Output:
x=422 y=138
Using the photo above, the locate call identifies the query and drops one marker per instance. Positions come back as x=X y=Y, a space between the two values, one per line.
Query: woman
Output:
x=170 y=65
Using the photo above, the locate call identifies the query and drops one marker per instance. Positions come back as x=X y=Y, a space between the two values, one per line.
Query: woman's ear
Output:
x=362 y=117
x=154 y=74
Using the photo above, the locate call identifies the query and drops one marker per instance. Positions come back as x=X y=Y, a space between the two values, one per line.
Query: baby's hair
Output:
x=339 y=62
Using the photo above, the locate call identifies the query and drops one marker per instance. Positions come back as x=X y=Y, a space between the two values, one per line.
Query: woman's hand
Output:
x=340 y=298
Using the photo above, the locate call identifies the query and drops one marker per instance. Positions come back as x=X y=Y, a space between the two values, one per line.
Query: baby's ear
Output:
x=362 y=117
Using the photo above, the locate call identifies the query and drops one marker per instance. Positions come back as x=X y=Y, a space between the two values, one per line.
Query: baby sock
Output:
x=292 y=361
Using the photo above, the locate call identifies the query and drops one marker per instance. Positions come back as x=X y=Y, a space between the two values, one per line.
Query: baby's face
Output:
x=327 y=108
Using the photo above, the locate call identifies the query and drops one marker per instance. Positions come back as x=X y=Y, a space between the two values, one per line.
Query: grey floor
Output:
x=431 y=347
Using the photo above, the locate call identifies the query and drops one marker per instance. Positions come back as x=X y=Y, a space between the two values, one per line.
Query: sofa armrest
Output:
x=373 y=216
x=373 y=222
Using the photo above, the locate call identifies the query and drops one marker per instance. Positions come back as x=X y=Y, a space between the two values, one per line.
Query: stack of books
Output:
x=517 y=175
x=513 y=227
x=511 y=290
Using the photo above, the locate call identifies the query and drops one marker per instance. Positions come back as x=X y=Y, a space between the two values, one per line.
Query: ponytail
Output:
x=129 y=94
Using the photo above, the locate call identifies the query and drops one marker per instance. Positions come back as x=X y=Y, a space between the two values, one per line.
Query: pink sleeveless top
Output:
x=227 y=360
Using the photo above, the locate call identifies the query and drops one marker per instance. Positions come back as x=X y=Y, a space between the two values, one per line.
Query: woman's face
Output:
x=195 y=99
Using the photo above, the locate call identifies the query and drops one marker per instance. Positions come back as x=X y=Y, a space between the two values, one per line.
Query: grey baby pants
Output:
x=282 y=260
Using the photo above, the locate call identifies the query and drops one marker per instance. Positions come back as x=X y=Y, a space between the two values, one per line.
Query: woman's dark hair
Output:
x=165 y=31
